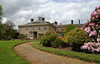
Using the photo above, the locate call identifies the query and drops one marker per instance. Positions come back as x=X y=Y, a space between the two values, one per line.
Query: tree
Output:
x=69 y=27
x=0 y=11
x=8 y=30
x=0 y=22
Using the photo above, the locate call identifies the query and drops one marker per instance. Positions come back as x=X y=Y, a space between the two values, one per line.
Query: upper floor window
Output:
x=44 y=27
x=26 y=28
x=21 y=29
x=38 y=28
x=62 y=29
x=32 y=28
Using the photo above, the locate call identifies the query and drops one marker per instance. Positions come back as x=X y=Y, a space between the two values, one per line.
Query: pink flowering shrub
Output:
x=92 y=26
x=91 y=47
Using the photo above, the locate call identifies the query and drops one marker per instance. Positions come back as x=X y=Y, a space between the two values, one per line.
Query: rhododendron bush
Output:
x=92 y=27
x=91 y=47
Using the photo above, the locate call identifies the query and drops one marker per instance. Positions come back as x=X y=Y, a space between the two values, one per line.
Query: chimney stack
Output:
x=60 y=23
x=55 y=23
x=71 y=21
x=32 y=20
x=43 y=19
x=52 y=23
x=79 y=21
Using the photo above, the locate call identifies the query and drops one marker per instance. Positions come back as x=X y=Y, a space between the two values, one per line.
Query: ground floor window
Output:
x=26 y=36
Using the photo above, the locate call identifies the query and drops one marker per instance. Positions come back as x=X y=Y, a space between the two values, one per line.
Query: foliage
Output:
x=0 y=22
x=69 y=27
x=0 y=11
x=52 y=36
x=81 y=56
x=48 y=39
x=91 y=47
x=62 y=38
x=21 y=36
x=76 y=38
x=8 y=30
x=58 y=43
x=92 y=26
x=45 y=41
x=7 y=55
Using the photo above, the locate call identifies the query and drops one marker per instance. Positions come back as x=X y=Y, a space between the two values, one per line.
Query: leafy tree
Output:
x=0 y=11
x=69 y=27
x=8 y=30
x=0 y=22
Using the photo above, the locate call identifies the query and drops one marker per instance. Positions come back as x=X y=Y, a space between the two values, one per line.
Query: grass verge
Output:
x=7 y=55
x=81 y=56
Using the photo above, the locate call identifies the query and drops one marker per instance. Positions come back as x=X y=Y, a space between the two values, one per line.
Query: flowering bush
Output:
x=62 y=38
x=92 y=26
x=91 y=47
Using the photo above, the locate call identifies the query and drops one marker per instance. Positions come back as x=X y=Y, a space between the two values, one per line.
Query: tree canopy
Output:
x=69 y=27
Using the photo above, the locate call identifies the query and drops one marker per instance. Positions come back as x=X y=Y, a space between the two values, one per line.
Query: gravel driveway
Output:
x=35 y=56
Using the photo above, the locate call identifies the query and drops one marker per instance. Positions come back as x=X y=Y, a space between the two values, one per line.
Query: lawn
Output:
x=7 y=55
x=81 y=56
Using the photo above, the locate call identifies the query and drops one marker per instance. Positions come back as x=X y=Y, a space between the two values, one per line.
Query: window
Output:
x=26 y=28
x=62 y=35
x=57 y=29
x=39 y=28
x=26 y=35
x=44 y=27
x=32 y=28
x=21 y=29
x=62 y=30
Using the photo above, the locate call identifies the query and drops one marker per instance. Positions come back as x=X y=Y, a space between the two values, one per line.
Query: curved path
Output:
x=35 y=56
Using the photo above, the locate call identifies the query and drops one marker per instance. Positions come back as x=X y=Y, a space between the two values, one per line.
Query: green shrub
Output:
x=58 y=43
x=47 y=39
x=77 y=38
x=53 y=36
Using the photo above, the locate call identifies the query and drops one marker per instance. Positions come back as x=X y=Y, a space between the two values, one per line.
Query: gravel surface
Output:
x=35 y=56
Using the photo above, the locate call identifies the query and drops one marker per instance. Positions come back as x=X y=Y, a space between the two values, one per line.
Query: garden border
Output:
x=78 y=55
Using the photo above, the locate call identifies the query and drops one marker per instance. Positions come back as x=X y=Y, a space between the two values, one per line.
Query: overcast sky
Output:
x=62 y=11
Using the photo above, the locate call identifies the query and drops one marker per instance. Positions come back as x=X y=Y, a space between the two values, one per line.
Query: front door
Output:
x=35 y=34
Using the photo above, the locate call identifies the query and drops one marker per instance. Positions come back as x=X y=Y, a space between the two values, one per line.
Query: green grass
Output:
x=7 y=55
x=81 y=56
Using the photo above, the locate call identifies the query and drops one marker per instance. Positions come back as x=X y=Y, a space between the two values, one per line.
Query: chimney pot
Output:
x=60 y=23
x=43 y=19
x=32 y=20
x=71 y=21
x=55 y=23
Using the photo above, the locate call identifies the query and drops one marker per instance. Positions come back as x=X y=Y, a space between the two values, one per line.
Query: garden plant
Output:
x=92 y=27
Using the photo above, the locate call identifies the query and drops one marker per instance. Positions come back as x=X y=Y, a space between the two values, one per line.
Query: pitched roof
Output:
x=35 y=23
x=77 y=25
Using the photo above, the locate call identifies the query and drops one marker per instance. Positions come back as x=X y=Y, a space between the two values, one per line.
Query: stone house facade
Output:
x=35 y=29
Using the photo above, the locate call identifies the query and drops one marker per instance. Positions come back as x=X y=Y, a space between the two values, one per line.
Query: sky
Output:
x=63 y=11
